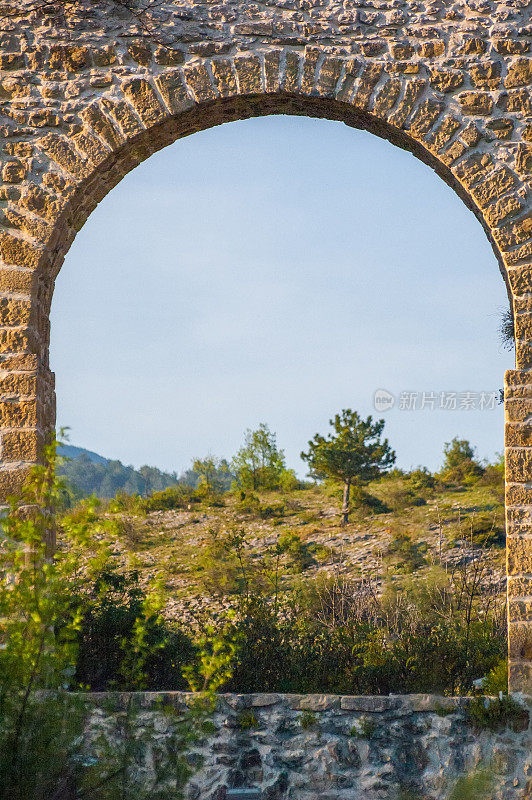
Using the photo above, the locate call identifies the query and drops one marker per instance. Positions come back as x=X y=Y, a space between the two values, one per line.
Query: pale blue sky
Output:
x=275 y=270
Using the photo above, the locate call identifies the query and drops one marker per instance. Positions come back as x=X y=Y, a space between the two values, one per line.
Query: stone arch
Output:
x=77 y=117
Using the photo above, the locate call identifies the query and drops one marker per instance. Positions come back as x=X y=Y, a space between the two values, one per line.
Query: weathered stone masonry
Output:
x=84 y=99
x=312 y=747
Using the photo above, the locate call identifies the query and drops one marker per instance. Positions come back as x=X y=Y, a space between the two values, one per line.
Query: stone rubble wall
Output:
x=85 y=97
x=317 y=747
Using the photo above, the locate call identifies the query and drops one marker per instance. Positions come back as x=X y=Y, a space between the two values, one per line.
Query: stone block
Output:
x=310 y=63
x=523 y=326
x=60 y=150
x=272 y=67
x=402 y=51
x=199 y=83
x=249 y=74
x=520 y=677
x=16 y=280
x=14 y=171
x=476 y=103
x=486 y=74
x=518 y=435
x=474 y=168
x=316 y=702
x=519 y=73
x=37 y=200
x=18 y=414
x=514 y=233
x=519 y=554
x=347 y=84
x=519 y=586
x=520 y=641
x=520 y=279
x=386 y=97
x=516 y=101
x=520 y=610
x=25 y=223
x=367 y=82
x=518 y=515
x=17 y=384
x=377 y=705
x=290 y=79
x=424 y=118
x=20 y=446
x=329 y=76
x=504 y=209
x=445 y=80
x=443 y=133
x=94 y=148
x=144 y=100
x=125 y=117
x=14 y=312
x=428 y=702
x=11 y=480
x=224 y=76
x=265 y=700
x=18 y=252
x=173 y=89
x=502 y=180
x=523 y=161
x=95 y=117
x=511 y=46
x=431 y=49
x=517 y=377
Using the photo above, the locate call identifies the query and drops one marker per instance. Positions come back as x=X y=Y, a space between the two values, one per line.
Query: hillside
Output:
x=400 y=534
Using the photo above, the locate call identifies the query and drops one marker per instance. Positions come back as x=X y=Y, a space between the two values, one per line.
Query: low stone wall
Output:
x=314 y=747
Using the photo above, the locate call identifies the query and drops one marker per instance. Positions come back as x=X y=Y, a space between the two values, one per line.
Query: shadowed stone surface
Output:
x=352 y=748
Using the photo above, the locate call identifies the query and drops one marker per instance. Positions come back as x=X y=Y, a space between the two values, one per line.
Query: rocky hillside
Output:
x=402 y=530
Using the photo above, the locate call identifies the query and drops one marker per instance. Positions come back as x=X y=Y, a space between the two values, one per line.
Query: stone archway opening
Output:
x=454 y=90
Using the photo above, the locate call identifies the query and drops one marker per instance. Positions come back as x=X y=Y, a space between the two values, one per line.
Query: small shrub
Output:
x=496 y=713
x=128 y=503
x=308 y=719
x=175 y=497
x=249 y=503
x=247 y=720
x=421 y=478
x=365 y=728
x=269 y=511
x=405 y=553
x=497 y=679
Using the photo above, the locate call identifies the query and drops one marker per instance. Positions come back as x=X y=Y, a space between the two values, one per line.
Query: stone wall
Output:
x=85 y=97
x=317 y=747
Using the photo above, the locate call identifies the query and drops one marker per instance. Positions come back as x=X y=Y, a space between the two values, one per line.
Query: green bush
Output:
x=53 y=631
x=405 y=553
x=421 y=479
x=459 y=464
x=112 y=607
x=308 y=719
x=496 y=713
x=175 y=497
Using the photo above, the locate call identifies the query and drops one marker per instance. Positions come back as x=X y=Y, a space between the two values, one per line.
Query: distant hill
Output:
x=90 y=473
x=70 y=451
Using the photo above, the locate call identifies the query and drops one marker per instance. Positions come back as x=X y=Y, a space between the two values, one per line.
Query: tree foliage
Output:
x=53 y=629
x=259 y=464
x=354 y=453
x=460 y=464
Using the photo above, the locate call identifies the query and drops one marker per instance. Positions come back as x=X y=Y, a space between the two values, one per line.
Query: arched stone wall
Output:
x=85 y=97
